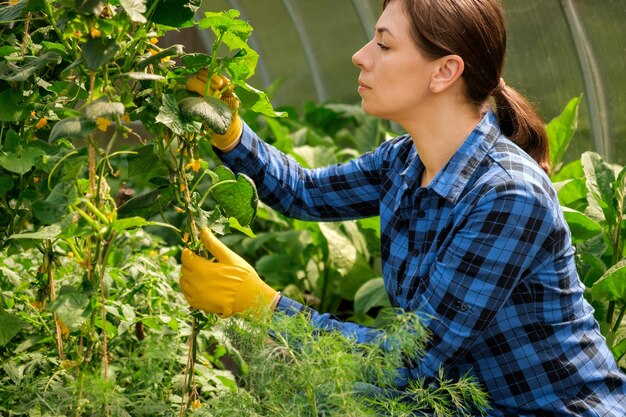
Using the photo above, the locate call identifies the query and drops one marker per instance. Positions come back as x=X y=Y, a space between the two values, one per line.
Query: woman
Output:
x=472 y=234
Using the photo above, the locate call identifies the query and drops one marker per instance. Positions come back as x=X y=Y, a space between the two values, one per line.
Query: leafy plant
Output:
x=304 y=372
x=592 y=193
x=76 y=81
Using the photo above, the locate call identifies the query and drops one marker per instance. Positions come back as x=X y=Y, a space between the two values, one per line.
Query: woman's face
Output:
x=395 y=76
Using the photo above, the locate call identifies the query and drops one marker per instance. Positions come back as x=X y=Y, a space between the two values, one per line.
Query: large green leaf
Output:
x=174 y=13
x=148 y=204
x=572 y=193
x=10 y=325
x=581 y=226
x=135 y=9
x=237 y=198
x=359 y=274
x=10 y=71
x=371 y=294
x=70 y=306
x=214 y=112
x=17 y=10
x=22 y=161
x=45 y=233
x=54 y=207
x=102 y=107
x=170 y=116
x=6 y=183
x=12 y=106
x=600 y=180
x=256 y=100
x=99 y=51
x=560 y=131
x=342 y=254
x=73 y=127
x=612 y=285
x=619 y=350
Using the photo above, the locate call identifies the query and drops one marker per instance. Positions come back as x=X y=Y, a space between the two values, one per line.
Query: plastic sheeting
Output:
x=557 y=50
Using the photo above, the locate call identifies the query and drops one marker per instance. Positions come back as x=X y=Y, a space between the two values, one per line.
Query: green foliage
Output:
x=303 y=372
x=592 y=193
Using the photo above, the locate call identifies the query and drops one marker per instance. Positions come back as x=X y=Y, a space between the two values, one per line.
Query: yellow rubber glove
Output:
x=224 y=285
x=197 y=84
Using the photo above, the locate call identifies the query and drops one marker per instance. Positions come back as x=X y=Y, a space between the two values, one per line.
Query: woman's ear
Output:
x=446 y=71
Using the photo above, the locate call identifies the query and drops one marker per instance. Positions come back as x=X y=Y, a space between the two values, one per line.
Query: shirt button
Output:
x=416 y=252
x=421 y=214
x=463 y=307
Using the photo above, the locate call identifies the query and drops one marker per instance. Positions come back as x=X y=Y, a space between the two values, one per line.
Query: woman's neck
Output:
x=438 y=132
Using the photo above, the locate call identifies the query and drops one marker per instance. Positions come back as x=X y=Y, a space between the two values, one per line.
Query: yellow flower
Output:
x=41 y=123
x=195 y=164
x=186 y=237
x=196 y=404
x=153 y=252
x=95 y=33
x=165 y=258
x=13 y=2
x=70 y=254
x=126 y=118
x=153 y=41
x=182 y=188
x=33 y=113
x=153 y=51
x=103 y=124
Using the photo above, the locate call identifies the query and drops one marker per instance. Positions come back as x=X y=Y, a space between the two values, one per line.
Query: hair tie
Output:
x=499 y=87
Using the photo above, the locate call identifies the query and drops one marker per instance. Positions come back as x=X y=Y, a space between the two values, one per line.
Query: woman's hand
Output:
x=220 y=87
x=224 y=285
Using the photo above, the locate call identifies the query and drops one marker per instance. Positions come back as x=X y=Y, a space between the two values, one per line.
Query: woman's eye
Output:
x=382 y=46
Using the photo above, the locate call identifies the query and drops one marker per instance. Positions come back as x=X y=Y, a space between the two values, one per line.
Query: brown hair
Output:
x=474 y=30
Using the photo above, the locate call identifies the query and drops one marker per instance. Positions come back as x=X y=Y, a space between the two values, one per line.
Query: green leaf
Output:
x=102 y=107
x=170 y=116
x=356 y=276
x=256 y=100
x=600 y=179
x=73 y=127
x=195 y=61
x=70 y=306
x=233 y=223
x=612 y=285
x=16 y=11
x=560 y=131
x=174 y=13
x=237 y=198
x=146 y=205
x=10 y=325
x=6 y=184
x=145 y=163
x=45 y=233
x=12 y=106
x=214 y=112
x=93 y=7
x=54 y=207
x=99 y=51
x=10 y=71
x=581 y=226
x=371 y=294
x=135 y=9
x=20 y=162
x=572 y=193
x=224 y=173
x=128 y=223
x=11 y=141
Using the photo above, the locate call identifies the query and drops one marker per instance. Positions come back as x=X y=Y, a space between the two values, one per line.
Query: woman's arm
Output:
x=339 y=192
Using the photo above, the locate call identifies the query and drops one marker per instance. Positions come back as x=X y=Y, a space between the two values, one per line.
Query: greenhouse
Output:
x=312 y=208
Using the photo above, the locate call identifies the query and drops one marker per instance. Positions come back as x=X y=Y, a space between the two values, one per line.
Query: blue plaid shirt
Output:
x=482 y=253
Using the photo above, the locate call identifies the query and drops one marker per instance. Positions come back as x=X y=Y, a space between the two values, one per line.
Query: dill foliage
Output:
x=302 y=371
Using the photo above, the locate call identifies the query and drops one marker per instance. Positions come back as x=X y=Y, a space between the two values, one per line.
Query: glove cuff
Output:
x=230 y=139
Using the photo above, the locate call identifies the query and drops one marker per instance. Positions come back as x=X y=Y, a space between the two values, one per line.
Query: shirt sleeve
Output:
x=503 y=236
x=338 y=192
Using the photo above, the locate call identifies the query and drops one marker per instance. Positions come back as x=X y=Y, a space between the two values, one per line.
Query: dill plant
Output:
x=302 y=371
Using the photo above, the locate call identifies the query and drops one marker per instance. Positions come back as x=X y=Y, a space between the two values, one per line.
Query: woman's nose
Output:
x=358 y=59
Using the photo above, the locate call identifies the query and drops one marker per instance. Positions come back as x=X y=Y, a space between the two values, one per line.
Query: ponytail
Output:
x=520 y=122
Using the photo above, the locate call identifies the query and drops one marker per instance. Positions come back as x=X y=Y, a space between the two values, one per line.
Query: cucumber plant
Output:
x=80 y=84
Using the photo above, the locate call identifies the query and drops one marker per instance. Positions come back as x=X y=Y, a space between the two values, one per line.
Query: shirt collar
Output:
x=455 y=175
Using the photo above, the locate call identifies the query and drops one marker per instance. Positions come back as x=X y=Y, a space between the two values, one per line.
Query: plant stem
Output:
x=620 y=317
x=52 y=294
